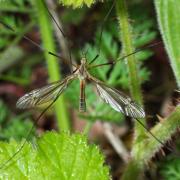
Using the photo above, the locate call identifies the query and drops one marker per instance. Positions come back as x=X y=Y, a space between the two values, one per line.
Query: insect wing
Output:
x=44 y=94
x=118 y=101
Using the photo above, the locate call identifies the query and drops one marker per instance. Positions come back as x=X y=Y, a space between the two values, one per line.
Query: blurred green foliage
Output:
x=168 y=18
x=13 y=126
x=77 y=4
x=69 y=13
x=7 y=10
x=15 y=6
x=11 y=54
x=170 y=168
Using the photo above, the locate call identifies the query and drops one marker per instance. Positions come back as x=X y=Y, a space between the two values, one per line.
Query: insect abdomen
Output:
x=82 y=105
x=82 y=101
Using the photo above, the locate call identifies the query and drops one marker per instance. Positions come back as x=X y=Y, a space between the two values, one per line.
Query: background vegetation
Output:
x=131 y=25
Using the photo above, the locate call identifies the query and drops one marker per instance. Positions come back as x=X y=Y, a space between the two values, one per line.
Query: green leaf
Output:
x=170 y=168
x=168 y=18
x=19 y=6
x=66 y=17
x=3 y=112
x=13 y=126
x=56 y=156
x=78 y=3
x=9 y=57
x=17 y=128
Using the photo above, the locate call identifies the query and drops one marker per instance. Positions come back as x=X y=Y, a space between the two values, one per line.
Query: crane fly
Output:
x=116 y=99
x=50 y=93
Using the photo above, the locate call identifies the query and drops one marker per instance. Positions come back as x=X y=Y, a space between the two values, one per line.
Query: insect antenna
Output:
x=37 y=45
x=123 y=57
x=60 y=29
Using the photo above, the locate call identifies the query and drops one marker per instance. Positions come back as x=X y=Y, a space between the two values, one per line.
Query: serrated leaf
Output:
x=13 y=126
x=78 y=3
x=170 y=168
x=17 y=128
x=14 y=6
x=56 y=156
x=168 y=18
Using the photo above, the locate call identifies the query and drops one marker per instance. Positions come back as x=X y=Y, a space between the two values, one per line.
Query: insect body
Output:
x=116 y=99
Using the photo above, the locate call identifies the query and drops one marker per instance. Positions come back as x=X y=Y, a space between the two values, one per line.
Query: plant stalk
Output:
x=52 y=63
x=145 y=146
x=127 y=43
x=146 y=149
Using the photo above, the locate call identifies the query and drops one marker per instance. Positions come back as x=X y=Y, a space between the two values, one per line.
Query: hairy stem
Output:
x=145 y=150
x=126 y=38
x=145 y=146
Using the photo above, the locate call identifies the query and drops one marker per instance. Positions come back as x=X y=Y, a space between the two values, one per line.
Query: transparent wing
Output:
x=44 y=94
x=118 y=100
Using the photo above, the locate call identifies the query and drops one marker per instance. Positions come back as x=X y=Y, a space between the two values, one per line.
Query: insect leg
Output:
x=4 y=164
x=60 y=29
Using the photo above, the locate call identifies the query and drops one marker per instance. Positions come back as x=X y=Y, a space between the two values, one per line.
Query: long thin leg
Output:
x=37 y=45
x=28 y=134
x=60 y=29
x=121 y=58
x=157 y=139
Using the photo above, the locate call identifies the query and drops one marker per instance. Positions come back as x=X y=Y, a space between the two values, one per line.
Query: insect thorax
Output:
x=82 y=71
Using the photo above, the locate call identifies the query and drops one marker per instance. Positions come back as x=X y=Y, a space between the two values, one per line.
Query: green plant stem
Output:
x=87 y=127
x=52 y=63
x=16 y=80
x=4 y=8
x=149 y=146
x=126 y=38
x=145 y=145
